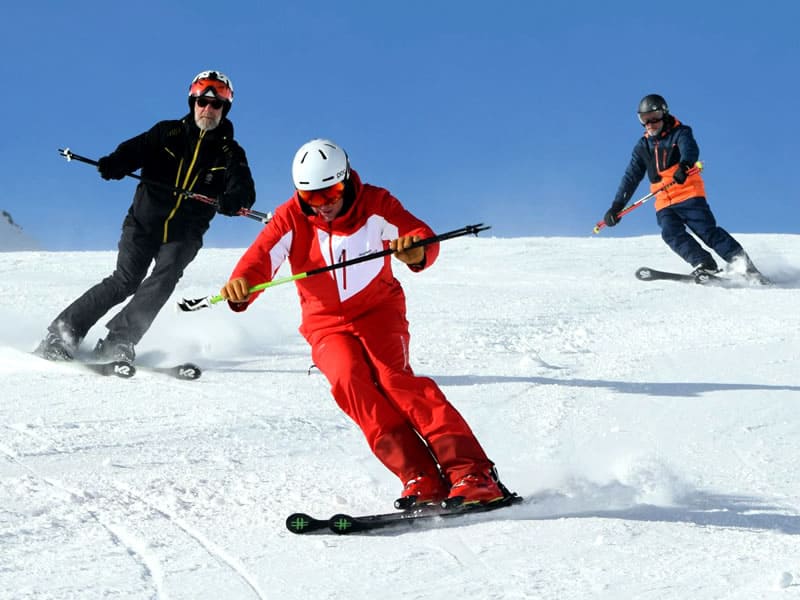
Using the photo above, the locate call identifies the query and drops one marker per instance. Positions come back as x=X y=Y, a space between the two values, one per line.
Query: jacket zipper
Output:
x=186 y=184
x=342 y=258
x=655 y=153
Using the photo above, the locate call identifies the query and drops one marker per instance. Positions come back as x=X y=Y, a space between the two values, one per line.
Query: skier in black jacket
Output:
x=196 y=153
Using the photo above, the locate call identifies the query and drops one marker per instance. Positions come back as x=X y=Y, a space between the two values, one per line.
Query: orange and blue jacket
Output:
x=659 y=157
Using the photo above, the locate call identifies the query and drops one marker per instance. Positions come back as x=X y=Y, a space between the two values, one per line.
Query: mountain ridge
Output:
x=12 y=236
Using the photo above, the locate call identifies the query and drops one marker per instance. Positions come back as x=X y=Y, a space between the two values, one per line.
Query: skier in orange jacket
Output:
x=666 y=153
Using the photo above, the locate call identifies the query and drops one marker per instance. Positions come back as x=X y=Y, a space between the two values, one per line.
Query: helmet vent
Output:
x=319 y=163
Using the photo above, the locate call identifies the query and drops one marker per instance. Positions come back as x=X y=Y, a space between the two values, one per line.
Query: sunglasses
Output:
x=324 y=197
x=656 y=118
x=215 y=103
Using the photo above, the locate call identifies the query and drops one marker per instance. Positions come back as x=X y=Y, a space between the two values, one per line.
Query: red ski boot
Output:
x=422 y=490
x=475 y=488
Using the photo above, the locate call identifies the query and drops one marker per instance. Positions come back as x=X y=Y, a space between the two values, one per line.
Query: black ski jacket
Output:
x=179 y=154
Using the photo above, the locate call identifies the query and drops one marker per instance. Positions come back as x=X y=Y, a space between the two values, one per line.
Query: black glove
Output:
x=228 y=205
x=110 y=169
x=611 y=218
x=680 y=174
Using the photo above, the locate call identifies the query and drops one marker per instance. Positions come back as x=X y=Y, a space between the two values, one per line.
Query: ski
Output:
x=118 y=368
x=344 y=524
x=122 y=368
x=186 y=371
x=303 y=523
x=648 y=274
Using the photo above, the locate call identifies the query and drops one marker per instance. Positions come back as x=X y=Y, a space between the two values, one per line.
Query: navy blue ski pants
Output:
x=696 y=215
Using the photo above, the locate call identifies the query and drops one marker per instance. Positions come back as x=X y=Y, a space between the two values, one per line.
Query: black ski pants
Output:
x=137 y=250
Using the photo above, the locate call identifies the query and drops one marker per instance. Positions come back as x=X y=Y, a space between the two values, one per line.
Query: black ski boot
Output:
x=111 y=349
x=54 y=347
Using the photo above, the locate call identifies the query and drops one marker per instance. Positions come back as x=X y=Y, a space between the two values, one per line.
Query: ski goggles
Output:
x=204 y=101
x=220 y=89
x=651 y=118
x=324 y=197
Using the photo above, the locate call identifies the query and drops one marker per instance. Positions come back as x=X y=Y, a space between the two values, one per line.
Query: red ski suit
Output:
x=355 y=321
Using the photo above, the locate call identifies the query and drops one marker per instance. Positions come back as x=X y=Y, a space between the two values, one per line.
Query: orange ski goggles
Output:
x=219 y=88
x=324 y=197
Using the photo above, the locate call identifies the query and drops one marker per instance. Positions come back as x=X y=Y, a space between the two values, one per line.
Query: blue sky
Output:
x=520 y=114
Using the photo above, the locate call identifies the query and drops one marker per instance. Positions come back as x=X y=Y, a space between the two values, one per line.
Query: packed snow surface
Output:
x=652 y=427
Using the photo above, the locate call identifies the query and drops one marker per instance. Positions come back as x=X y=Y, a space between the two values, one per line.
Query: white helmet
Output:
x=319 y=164
x=213 y=83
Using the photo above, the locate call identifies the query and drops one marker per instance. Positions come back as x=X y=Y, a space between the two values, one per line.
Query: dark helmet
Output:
x=653 y=102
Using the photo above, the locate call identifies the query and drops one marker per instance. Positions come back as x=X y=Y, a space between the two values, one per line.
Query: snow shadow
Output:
x=697 y=507
x=677 y=388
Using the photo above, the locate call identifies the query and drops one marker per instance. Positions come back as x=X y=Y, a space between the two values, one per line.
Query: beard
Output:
x=653 y=131
x=207 y=122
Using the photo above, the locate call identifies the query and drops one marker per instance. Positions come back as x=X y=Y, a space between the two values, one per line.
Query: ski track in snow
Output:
x=651 y=427
x=135 y=547
x=213 y=549
x=108 y=508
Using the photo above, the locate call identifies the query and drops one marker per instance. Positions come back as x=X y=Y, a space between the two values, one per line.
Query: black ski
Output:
x=124 y=369
x=187 y=371
x=648 y=274
x=118 y=368
x=723 y=280
x=344 y=524
x=303 y=523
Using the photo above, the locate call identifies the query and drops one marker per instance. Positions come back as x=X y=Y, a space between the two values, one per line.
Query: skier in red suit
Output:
x=354 y=318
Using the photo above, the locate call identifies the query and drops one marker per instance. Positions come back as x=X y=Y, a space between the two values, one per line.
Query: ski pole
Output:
x=243 y=212
x=198 y=303
x=698 y=166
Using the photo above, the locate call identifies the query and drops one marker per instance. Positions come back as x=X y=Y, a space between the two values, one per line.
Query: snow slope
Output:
x=654 y=427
